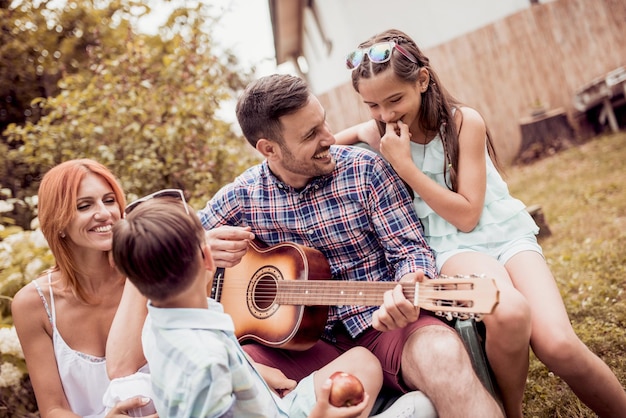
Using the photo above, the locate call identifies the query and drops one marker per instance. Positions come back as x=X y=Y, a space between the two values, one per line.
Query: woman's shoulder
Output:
x=28 y=294
x=27 y=306
x=24 y=300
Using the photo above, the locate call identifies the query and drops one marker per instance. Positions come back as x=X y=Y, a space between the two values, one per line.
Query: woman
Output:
x=63 y=318
x=443 y=151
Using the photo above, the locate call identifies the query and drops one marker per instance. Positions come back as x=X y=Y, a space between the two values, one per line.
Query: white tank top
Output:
x=84 y=377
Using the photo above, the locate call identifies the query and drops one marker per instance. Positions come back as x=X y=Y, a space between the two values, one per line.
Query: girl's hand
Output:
x=323 y=408
x=133 y=407
x=395 y=144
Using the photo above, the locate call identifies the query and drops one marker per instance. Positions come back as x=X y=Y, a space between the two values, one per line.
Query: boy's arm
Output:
x=323 y=408
x=276 y=380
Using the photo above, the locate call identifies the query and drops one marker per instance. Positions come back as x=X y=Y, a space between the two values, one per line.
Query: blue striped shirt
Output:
x=360 y=217
x=198 y=369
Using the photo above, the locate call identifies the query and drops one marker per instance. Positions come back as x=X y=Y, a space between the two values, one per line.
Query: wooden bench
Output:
x=607 y=91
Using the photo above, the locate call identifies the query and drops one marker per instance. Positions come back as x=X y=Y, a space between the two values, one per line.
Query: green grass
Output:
x=583 y=196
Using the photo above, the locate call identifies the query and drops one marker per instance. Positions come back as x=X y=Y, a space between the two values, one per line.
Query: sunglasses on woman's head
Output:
x=377 y=53
x=171 y=193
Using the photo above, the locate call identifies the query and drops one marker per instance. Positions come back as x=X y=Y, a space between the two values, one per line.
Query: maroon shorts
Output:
x=387 y=346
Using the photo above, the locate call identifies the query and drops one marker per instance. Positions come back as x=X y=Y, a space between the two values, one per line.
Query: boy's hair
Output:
x=156 y=246
x=265 y=101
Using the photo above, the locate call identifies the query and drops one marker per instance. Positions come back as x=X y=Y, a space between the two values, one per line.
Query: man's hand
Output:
x=228 y=244
x=397 y=311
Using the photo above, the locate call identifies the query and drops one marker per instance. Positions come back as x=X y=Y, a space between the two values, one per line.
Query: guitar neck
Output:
x=334 y=292
x=477 y=295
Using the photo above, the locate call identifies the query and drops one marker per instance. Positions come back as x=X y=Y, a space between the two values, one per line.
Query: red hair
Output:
x=57 y=207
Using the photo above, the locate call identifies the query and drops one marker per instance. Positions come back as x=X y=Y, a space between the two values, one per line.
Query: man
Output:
x=348 y=204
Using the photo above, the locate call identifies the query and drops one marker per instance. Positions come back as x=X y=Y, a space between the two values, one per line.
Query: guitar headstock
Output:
x=459 y=296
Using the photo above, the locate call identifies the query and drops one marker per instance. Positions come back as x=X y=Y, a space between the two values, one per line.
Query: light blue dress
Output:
x=503 y=219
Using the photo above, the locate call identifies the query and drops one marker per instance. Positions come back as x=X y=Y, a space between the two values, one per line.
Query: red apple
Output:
x=347 y=389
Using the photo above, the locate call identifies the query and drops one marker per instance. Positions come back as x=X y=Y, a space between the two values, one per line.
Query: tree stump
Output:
x=536 y=213
x=543 y=134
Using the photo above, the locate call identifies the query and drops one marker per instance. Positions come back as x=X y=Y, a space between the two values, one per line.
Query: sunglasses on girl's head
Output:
x=174 y=193
x=377 y=53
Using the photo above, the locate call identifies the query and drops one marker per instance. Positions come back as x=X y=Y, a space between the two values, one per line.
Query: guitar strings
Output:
x=322 y=293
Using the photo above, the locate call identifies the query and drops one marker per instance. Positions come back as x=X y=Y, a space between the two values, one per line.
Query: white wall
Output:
x=346 y=23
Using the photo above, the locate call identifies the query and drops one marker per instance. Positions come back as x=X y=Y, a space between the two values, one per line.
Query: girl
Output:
x=63 y=318
x=443 y=151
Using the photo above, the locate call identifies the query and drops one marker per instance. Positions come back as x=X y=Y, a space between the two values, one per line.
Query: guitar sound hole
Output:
x=265 y=292
x=262 y=291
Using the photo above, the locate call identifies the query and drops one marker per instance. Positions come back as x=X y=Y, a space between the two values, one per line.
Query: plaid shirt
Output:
x=360 y=217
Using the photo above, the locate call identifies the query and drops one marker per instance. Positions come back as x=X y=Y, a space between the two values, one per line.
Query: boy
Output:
x=198 y=368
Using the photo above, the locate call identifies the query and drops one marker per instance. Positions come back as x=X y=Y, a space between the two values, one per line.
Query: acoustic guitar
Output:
x=279 y=295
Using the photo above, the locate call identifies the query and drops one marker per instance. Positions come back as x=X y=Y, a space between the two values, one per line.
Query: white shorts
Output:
x=501 y=251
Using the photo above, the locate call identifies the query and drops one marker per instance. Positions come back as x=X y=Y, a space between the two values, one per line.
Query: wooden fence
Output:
x=538 y=57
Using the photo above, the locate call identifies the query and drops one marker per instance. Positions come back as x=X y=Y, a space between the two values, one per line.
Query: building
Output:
x=512 y=60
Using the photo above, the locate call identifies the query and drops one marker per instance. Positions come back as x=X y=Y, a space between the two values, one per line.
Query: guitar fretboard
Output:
x=459 y=295
x=331 y=292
